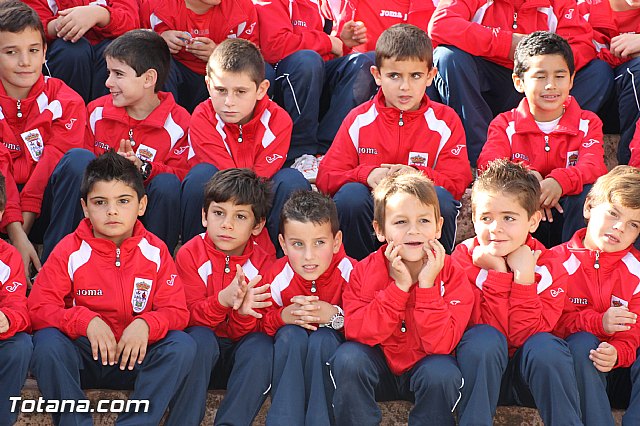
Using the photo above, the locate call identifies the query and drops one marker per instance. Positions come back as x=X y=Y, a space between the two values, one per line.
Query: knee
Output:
x=446 y=56
x=74 y=161
x=350 y=361
x=165 y=186
x=197 y=177
x=205 y=340
x=448 y=205
x=436 y=372
x=482 y=342
x=17 y=349
x=180 y=347
x=352 y=197
x=542 y=347
x=323 y=339
x=257 y=349
x=291 y=336
x=288 y=180
x=50 y=346
x=305 y=64
x=581 y=343
x=72 y=53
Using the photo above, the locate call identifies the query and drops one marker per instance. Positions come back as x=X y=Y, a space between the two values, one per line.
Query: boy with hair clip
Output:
x=144 y=125
x=599 y=321
x=15 y=342
x=508 y=353
x=401 y=128
x=120 y=328
x=215 y=267
x=193 y=29
x=239 y=126
x=476 y=43
x=549 y=132
x=41 y=120
x=78 y=32
x=406 y=307
x=306 y=314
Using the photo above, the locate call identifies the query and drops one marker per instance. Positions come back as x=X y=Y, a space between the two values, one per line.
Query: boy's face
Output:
x=234 y=95
x=501 y=223
x=113 y=208
x=21 y=58
x=546 y=84
x=611 y=227
x=310 y=247
x=125 y=87
x=230 y=225
x=403 y=82
x=410 y=224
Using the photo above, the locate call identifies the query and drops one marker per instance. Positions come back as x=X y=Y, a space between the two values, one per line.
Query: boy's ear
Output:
x=375 y=72
x=586 y=209
x=337 y=241
x=150 y=78
x=378 y=230
x=204 y=218
x=439 y=227
x=282 y=244
x=262 y=89
x=257 y=229
x=517 y=83
x=84 y=207
x=534 y=221
x=431 y=75
x=142 y=205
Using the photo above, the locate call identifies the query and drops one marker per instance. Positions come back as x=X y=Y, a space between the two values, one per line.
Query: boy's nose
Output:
x=548 y=86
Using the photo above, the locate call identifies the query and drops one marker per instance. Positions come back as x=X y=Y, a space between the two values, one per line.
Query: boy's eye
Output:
x=221 y=91
x=241 y=216
x=393 y=76
x=319 y=243
x=34 y=50
x=416 y=75
x=485 y=219
x=100 y=202
x=297 y=244
x=634 y=225
x=123 y=201
x=509 y=218
x=612 y=213
x=425 y=221
x=217 y=213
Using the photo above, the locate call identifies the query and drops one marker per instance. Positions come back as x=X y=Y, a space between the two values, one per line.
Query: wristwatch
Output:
x=145 y=169
x=337 y=320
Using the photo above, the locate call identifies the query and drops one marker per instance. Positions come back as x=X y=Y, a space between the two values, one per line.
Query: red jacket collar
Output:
x=259 y=109
x=157 y=118
x=35 y=90
x=394 y=113
x=218 y=256
x=587 y=256
x=569 y=122
x=327 y=275
x=85 y=233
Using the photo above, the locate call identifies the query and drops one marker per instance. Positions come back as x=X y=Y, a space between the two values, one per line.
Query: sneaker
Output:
x=308 y=166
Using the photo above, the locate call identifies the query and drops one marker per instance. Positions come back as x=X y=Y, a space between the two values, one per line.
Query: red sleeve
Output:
x=12 y=209
x=574 y=320
x=277 y=37
x=590 y=165
x=272 y=319
x=272 y=157
x=627 y=342
x=497 y=144
x=241 y=325
x=47 y=298
x=634 y=146
x=13 y=301
x=169 y=306
x=442 y=318
x=45 y=13
x=576 y=31
x=66 y=132
x=125 y=16
x=207 y=143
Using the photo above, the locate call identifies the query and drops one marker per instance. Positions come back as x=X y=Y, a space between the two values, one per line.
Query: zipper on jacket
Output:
x=240 y=139
x=118 y=257
x=133 y=142
x=515 y=20
x=547 y=148
x=403 y=327
x=19 y=113
x=227 y=269
x=313 y=287
x=596 y=265
x=401 y=120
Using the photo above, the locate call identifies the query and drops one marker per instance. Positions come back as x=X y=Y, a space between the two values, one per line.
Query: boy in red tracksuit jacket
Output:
x=42 y=119
x=400 y=128
x=476 y=42
x=78 y=31
x=306 y=315
x=519 y=289
x=550 y=133
x=193 y=29
x=238 y=127
x=314 y=75
x=15 y=342
x=599 y=321
x=406 y=307
x=145 y=125
x=215 y=267
x=108 y=307
x=616 y=31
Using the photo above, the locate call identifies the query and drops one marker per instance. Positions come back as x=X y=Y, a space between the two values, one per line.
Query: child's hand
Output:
x=102 y=340
x=434 y=263
x=484 y=260
x=4 y=323
x=326 y=311
x=176 y=40
x=515 y=39
x=72 y=24
x=126 y=150
x=232 y=295
x=354 y=33
x=551 y=193
x=398 y=270
x=604 y=357
x=616 y=319
x=522 y=262
x=625 y=45
x=256 y=298
x=336 y=46
x=393 y=168
x=303 y=312
x=132 y=346
x=376 y=176
x=21 y=242
x=201 y=47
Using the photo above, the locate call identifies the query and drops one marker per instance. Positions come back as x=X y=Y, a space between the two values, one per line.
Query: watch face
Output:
x=338 y=322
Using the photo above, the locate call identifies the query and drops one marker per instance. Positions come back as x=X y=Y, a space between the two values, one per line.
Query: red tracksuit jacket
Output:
x=124 y=16
x=205 y=271
x=13 y=290
x=286 y=283
x=161 y=138
x=431 y=139
x=229 y=19
x=517 y=311
x=12 y=210
x=53 y=120
x=484 y=27
x=594 y=290
x=634 y=147
x=576 y=154
x=434 y=319
x=86 y=277
x=261 y=144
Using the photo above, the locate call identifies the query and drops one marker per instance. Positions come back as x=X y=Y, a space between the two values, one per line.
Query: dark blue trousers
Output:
x=285 y=182
x=163 y=193
x=15 y=353
x=627 y=79
x=300 y=362
x=187 y=87
x=478 y=90
x=63 y=367
x=538 y=375
x=355 y=211
x=243 y=368
x=81 y=65
x=318 y=95
x=362 y=377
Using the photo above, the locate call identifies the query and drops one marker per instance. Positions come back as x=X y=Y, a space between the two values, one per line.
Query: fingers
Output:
x=123 y=146
x=124 y=351
x=35 y=260
x=536 y=255
x=305 y=325
x=304 y=300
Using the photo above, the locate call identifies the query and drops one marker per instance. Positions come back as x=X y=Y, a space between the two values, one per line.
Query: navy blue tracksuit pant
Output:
x=63 y=367
x=15 y=353
x=300 y=362
x=243 y=368
x=540 y=374
x=187 y=87
x=627 y=84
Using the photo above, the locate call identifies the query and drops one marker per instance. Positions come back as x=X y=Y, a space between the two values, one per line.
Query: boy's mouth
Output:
x=612 y=239
x=413 y=243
